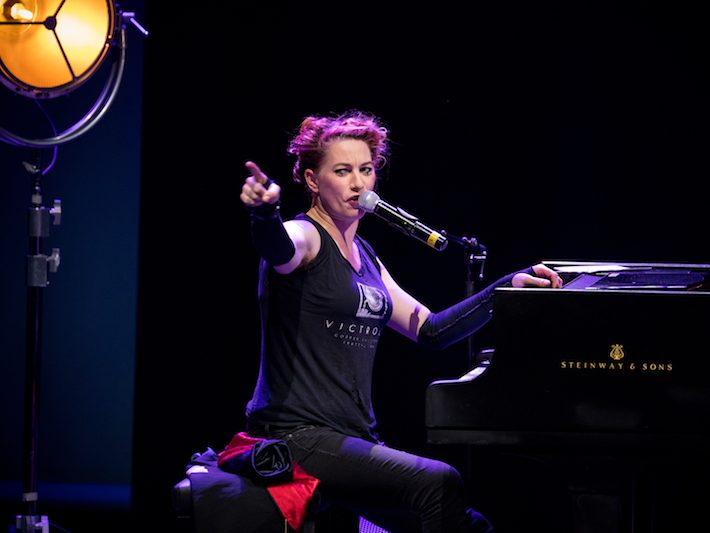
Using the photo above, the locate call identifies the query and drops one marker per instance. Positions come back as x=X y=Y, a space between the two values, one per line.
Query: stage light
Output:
x=50 y=48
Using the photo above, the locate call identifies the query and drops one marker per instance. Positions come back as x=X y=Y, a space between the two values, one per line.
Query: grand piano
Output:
x=616 y=363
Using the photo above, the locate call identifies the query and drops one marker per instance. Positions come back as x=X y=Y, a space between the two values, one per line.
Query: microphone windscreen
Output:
x=368 y=200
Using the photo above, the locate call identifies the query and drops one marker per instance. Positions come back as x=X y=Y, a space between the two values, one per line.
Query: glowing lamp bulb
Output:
x=19 y=12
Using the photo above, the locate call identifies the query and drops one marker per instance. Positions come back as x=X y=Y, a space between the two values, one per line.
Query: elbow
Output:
x=441 y=330
x=432 y=337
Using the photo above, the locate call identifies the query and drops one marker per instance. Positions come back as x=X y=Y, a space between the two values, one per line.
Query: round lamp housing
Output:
x=50 y=47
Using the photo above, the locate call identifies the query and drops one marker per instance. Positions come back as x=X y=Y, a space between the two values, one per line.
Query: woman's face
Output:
x=346 y=170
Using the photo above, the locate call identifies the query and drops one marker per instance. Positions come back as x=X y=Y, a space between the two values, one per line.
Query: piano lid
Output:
x=632 y=276
x=613 y=363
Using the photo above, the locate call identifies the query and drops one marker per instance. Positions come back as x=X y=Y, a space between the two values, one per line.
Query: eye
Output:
x=367 y=170
x=342 y=172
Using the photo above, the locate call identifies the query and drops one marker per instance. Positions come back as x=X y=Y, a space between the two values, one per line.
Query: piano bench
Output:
x=254 y=517
x=182 y=506
x=340 y=521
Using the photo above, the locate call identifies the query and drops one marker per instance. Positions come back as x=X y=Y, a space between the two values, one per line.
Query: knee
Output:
x=442 y=480
x=451 y=480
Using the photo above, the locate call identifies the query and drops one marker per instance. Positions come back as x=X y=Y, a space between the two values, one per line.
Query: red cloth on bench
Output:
x=292 y=497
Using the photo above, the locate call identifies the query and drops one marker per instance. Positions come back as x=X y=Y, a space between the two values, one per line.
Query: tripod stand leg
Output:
x=34 y=523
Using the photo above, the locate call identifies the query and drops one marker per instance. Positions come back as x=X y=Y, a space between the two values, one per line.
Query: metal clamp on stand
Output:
x=38 y=264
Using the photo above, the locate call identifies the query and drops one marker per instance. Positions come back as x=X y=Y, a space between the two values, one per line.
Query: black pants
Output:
x=396 y=490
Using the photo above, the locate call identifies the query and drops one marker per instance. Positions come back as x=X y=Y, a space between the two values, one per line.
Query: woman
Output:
x=325 y=298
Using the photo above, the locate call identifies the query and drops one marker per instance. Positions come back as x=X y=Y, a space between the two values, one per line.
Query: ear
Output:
x=311 y=180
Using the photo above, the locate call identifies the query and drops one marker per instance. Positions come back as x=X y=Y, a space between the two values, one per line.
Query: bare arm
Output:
x=284 y=245
x=408 y=314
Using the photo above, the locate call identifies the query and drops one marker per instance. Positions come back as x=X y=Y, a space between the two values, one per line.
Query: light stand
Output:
x=69 y=44
x=38 y=266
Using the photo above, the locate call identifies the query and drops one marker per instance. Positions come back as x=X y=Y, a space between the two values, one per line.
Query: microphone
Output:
x=397 y=217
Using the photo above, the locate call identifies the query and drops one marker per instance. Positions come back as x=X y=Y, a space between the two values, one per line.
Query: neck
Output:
x=345 y=229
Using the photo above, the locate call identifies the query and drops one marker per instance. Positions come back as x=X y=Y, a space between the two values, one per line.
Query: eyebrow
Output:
x=349 y=165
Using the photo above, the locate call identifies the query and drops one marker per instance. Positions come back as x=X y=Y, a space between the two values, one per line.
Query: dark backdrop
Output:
x=557 y=131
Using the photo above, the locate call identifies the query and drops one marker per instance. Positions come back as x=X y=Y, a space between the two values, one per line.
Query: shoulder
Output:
x=303 y=227
x=307 y=243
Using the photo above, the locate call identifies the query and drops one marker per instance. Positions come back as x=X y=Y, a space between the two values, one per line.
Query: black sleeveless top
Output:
x=320 y=329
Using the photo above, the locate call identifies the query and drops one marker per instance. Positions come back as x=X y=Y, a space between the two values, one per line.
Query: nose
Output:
x=357 y=183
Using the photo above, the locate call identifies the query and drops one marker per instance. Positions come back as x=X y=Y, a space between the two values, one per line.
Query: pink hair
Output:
x=315 y=133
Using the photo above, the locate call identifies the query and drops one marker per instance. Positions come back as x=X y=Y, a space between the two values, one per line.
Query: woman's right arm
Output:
x=285 y=246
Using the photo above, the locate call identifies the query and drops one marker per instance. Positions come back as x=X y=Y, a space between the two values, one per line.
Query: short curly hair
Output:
x=316 y=132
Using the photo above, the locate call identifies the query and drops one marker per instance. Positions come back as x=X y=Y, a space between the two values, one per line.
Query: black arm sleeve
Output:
x=269 y=235
x=442 y=329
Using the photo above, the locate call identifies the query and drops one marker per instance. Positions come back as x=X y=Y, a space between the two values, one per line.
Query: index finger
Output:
x=259 y=176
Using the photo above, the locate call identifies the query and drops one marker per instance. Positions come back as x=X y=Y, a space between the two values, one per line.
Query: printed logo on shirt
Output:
x=373 y=302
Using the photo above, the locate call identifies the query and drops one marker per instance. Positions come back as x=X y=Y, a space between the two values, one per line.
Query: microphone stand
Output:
x=474 y=259
x=38 y=266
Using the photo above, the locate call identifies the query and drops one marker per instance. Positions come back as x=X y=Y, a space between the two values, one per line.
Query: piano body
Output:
x=616 y=363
